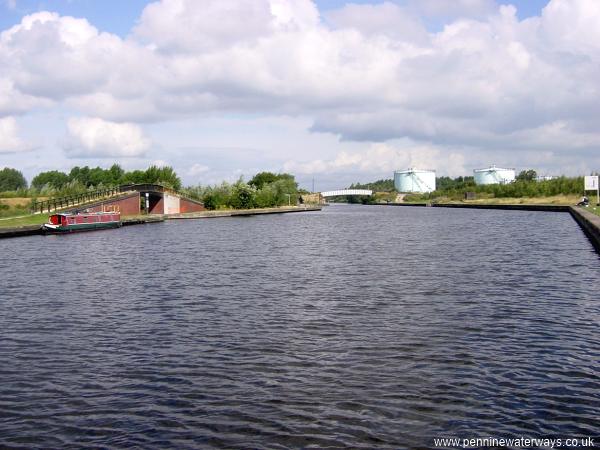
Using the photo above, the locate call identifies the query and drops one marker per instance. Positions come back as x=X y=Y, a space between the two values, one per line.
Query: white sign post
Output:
x=591 y=184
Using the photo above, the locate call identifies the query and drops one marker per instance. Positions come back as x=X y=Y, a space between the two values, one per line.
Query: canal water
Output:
x=357 y=326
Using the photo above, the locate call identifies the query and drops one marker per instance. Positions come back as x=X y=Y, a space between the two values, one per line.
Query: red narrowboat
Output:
x=65 y=222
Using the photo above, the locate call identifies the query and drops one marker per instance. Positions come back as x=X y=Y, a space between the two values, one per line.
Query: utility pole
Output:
x=313 y=187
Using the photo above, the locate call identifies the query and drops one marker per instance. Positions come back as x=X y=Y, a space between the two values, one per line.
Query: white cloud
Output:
x=485 y=81
x=10 y=142
x=572 y=26
x=12 y=101
x=96 y=138
x=197 y=169
x=159 y=163
x=190 y=26
x=187 y=25
x=382 y=158
x=385 y=19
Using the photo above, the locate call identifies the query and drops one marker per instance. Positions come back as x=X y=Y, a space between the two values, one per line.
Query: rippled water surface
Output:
x=357 y=326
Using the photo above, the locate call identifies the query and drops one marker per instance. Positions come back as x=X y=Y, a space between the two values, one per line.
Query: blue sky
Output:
x=118 y=17
x=338 y=91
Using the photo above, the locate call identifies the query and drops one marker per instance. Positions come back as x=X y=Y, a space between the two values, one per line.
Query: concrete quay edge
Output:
x=589 y=223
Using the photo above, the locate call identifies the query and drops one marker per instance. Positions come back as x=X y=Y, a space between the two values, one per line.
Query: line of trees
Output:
x=264 y=190
x=525 y=188
x=386 y=185
x=98 y=177
x=525 y=185
x=80 y=179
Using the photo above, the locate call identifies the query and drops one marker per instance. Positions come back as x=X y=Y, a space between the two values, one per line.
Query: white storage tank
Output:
x=414 y=180
x=494 y=175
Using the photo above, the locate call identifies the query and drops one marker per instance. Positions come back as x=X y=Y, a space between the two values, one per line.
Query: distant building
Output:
x=414 y=180
x=494 y=175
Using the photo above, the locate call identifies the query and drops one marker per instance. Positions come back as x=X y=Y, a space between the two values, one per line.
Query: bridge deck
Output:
x=347 y=192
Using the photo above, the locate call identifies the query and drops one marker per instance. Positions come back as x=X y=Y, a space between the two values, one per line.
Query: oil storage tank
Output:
x=414 y=180
x=494 y=175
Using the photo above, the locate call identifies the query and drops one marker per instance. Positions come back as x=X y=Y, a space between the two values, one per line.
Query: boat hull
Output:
x=77 y=227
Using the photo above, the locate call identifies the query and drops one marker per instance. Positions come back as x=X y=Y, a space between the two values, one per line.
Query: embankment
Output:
x=32 y=230
x=520 y=207
x=29 y=230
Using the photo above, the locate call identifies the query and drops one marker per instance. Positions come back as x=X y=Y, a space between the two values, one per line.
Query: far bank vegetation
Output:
x=526 y=186
x=264 y=190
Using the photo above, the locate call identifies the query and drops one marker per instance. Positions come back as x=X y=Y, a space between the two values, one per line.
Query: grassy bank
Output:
x=552 y=200
x=594 y=210
x=566 y=200
x=15 y=206
x=30 y=219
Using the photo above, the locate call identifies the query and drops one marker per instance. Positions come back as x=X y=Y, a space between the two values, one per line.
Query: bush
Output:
x=243 y=195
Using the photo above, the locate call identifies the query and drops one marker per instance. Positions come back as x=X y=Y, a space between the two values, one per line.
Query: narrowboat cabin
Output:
x=65 y=222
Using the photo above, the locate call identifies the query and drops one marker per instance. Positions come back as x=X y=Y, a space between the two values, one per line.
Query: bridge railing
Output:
x=147 y=187
x=347 y=192
x=53 y=204
x=158 y=188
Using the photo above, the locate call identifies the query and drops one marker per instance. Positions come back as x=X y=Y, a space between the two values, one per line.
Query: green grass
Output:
x=593 y=209
x=31 y=219
x=485 y=199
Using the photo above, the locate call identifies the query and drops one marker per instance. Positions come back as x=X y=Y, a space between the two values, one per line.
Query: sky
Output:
x=334 y=91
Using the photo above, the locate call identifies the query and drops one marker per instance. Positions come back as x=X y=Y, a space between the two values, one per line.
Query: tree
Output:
x=165 y=175
x=134 y=177
x=12 y=180
x=262 y=178
x=284 y=186
x=265 y=197
x=115 y=173
x=527 y=175
x=168 y=175
x=377 y=186
x=52 y=178
x=80 y=174
x=98 y=176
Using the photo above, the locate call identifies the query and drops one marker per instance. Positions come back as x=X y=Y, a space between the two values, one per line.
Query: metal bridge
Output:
x=347 y=192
